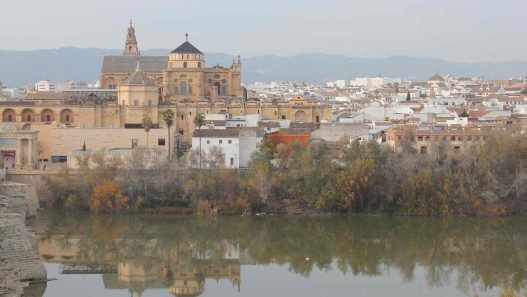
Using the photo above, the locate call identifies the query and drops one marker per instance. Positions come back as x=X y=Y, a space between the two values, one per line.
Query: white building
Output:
x=10 y=93
x=374 y=82
x=341 y=84
x=227 y=140
x=224 y=121
x=237 y=145
x=44 y=86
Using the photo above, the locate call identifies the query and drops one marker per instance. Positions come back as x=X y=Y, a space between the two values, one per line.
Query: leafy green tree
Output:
x=168 y=117
x=147 y=125
x=199 y=120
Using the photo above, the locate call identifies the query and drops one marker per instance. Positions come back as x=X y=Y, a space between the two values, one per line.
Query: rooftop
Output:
x=216 y=133
x=187 y=48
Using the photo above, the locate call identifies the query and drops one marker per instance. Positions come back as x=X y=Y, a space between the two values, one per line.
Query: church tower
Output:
x=130 y=48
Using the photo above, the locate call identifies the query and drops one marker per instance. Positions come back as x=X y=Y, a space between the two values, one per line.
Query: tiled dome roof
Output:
x=187 y=48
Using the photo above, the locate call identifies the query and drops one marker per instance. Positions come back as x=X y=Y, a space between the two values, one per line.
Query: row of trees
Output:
x=361 y=177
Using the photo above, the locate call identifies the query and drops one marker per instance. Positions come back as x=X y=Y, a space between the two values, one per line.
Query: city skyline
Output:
x=457 y=31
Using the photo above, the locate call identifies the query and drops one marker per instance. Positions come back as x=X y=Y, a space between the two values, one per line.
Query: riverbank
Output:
x=344 y=178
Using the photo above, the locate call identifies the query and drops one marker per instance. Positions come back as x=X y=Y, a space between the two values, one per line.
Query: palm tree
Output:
x=168 y=117
x=147 y=125
x=199 y=120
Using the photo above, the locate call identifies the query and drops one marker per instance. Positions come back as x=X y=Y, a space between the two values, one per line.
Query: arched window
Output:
x=9 y=118
x=183 y=88
x=184 y=64
x=199 y=64
x=28 y=118
x=176 y=90
x=67 y=118
x=48 y=118
x=218 y=87
x=190 y=90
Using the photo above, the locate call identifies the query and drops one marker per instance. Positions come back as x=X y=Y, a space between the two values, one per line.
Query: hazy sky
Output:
x=456 y=30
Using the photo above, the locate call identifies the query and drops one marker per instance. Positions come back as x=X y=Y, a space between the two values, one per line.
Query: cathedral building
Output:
x=179 y=76
x=147 y=86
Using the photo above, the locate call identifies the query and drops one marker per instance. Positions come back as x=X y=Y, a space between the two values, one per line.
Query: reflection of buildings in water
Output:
x=182 y=268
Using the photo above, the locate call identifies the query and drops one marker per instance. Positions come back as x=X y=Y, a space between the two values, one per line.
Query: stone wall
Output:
x=20 y=267
x=23 y=195
x=38 y=181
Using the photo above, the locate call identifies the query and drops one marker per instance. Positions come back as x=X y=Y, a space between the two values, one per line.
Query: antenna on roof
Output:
x=186 y=36
x=130 y=22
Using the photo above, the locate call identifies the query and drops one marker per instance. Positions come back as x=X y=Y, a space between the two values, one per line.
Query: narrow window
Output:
x=161 y=142
x=221 y=141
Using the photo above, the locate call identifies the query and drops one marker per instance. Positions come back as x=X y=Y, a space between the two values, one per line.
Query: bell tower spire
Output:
x=130 y=47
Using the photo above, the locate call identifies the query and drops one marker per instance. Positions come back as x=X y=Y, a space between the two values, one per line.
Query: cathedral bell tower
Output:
x=130 y=48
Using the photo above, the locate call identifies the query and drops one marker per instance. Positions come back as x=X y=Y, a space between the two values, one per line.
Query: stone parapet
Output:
x=20 y=266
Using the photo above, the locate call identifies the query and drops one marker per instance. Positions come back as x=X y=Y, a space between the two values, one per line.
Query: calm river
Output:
x=103 y=255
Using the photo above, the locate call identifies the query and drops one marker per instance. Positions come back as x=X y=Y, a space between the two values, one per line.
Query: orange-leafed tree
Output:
x=108 y=196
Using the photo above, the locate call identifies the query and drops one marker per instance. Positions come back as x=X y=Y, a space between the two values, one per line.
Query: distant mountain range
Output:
x=18 y=68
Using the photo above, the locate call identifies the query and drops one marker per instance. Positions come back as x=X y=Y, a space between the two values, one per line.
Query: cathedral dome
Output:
x=436 y=77
x=187 y=48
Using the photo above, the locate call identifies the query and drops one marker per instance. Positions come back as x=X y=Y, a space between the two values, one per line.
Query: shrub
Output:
x=108 y=196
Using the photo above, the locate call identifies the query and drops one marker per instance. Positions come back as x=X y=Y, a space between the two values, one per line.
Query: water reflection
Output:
x=181 y=254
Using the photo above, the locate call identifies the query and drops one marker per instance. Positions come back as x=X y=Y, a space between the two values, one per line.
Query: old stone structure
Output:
x=427 y=140
x=147 y=87
x=179 y=76
x=21 y=271
x=20 y=144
